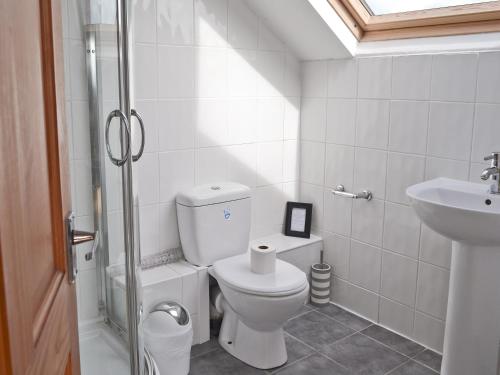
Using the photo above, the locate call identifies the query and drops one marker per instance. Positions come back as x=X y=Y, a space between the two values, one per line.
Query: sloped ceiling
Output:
x=299 y=25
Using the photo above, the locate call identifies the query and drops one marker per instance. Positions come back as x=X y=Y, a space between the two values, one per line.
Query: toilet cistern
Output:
x=493 y=172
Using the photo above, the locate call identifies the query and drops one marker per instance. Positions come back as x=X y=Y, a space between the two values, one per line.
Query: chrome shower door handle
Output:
x=143 y=135
x=124 y=121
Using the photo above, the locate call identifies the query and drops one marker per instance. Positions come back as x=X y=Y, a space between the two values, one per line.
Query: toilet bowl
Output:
x=214 y=226
x=256 y=307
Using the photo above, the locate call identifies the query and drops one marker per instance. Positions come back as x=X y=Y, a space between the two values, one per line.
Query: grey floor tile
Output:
x=363 y=355
x=430 y=359
x=220 y=362
x=315 y=364
x=206 y=347
x=303 y=309
x=393 y=340
x=344 y=317
x=316 y=329
x=296 y=349
x=412 y=368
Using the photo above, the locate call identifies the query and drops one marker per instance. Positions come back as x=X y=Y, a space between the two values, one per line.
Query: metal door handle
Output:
x=76 y=237
x=123 y=120
x=143 y=138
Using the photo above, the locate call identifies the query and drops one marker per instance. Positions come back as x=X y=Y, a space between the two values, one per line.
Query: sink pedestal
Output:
x=472 y=333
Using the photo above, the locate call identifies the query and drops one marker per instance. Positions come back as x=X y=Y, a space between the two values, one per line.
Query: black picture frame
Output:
x=289 y=225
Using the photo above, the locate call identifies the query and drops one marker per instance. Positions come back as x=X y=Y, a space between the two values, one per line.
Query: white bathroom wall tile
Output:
x=269 y=163
x=313 y=119
x=291 y=126
x=65 y=18
x=85 y=223
x=149 y=224
x=271 y=73
x=291 y=160
x=147 y=110
x=87 y=302
x=429 y=331
x=268 y=40
x=268 y=208
x=312 y=162
x=243 y=26
x=242 y=164
x=372 y=123
x=341 y=121
x=176 y=124
x=313 y=194
x=78 y=75
x=115 y=238
x=83 y=187
x=69 y=127
x=114 y=201
x=175 y=21
x=81 y=129
x=411 y=77
x=210 y=22
x=437 y=167
x=364 y=302
x=364 y=265
x=148 y=178
x=434 y=248
x=67 y=68
x=403 y=170
x=408 y=126
x=339 y=165
x=368 y=221
x=432 y=290
x=242 y=120
x=374 y=77
x=77 y=11
x=314 y=79
x=399 y=278
x=145 y=19
x=486 y=137
x=176 y=173
x=336 y=249
x=291 y=191
x=454 y=77
x=488 y=77
x=401 y=230
x=107 y=70
x=211 y=122
x=338 y=213
x=176 y=72
x=168 y=228
x=342 y=78
x=292 y=75
x=450 y=130
x=396 y=316
x=242 y=72
x=211 y=72
x=211 y=165
x=339 y=293
x=270 y=119
x=370 y=171
x=145 y=72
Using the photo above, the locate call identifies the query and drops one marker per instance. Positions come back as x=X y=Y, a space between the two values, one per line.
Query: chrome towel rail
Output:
x=340 y=190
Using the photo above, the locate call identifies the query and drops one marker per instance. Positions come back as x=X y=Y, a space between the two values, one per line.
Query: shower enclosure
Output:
x=115 y=134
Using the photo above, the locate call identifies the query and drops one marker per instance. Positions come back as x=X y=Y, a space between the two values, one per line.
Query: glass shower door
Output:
x=115 y=345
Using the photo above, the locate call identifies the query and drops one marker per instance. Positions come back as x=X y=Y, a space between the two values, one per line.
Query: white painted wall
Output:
x=384 y=123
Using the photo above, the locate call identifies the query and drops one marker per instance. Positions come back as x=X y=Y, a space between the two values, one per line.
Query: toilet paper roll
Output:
x=262 y=259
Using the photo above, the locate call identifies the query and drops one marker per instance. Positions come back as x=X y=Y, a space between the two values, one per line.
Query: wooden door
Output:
x=38 y=322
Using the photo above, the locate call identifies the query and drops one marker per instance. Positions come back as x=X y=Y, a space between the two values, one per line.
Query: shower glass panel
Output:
x=112 y=132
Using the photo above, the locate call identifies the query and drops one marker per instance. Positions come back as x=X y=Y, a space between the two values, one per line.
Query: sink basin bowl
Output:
x=462 y=211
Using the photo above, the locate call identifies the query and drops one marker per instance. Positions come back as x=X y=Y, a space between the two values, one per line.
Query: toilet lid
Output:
x=235 y=272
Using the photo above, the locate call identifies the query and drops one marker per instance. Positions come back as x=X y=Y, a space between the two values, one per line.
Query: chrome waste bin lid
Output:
x=175 y=310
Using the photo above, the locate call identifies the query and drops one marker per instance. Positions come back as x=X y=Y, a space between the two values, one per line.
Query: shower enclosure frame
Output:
x=130 y=222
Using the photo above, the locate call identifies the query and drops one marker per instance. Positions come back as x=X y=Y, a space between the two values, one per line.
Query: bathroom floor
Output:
x=328 y=340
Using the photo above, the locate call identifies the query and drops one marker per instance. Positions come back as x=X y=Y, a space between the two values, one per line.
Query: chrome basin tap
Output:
x=493 y=172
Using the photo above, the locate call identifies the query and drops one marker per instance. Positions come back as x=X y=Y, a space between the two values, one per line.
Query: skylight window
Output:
x=378 y=7
x=399 y=19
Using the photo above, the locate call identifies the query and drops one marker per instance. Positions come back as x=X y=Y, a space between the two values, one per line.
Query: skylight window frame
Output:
x=454 y=20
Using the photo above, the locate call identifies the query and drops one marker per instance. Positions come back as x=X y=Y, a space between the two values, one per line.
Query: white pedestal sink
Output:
x=470 y=216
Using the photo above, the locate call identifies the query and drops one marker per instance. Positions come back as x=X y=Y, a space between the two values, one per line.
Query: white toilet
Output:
x=214 y=225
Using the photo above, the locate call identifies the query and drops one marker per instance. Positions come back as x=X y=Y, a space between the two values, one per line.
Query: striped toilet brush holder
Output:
x=320 y=283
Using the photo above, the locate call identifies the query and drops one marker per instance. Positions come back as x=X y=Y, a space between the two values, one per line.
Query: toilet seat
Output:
x=235 y=272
